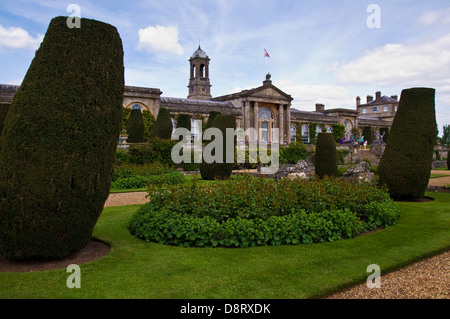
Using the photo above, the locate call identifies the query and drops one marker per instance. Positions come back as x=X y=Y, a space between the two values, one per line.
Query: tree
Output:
x=445 y=140
x=216 y=170
x=326 y=155
x=4 y=107
x=338 y=132
x=59 y=142
x=135 y=127
x=212 y=116
x=163 y=126
x=406 y=163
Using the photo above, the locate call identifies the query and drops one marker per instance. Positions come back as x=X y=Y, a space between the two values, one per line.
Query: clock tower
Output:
x=199 y=85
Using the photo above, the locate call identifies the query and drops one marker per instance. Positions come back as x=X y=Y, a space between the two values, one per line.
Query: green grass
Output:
x=136 y=269
x=438 y=175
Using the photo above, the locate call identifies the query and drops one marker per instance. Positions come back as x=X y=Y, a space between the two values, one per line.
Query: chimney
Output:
x=320 y=107
x=395 y=97
x=378 y=95
x=369 y=98
x=358 y=101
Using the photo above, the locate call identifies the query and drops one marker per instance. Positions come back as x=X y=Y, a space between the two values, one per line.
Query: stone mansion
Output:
x=265 y=107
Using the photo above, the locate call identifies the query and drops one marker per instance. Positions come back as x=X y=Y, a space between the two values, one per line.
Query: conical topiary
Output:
x=215 y=170
x=135 y=127
x=406 y=163
x=163 y=126
x=4 y=107
x=59 y=142
x=326 y=156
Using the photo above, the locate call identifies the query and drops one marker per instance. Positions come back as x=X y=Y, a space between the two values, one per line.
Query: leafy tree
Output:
x=406 y=163
x=338 y=132
x=445 y=140
x=59 y=142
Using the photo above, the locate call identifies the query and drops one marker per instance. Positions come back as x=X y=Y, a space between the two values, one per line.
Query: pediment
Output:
x=270 y=92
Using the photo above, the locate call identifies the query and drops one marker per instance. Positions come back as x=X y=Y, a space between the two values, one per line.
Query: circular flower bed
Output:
x=249 y=211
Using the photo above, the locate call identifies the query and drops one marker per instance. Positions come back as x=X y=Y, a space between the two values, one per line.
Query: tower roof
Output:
x=199 y=53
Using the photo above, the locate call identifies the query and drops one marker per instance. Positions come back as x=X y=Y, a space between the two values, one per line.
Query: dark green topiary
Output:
x=367 y=133
x=326 y=156
x=211 y=117
x=4 y=107
x=220 y=170
x=406 y=163
x=59 y=142
x=448 y=160
x=135 y=127
x=163 y=126
x=184 y=121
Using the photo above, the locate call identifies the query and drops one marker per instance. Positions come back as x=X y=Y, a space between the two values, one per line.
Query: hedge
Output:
x=135 y=127
x=326 y=156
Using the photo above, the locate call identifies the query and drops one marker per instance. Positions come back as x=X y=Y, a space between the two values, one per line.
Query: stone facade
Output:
x=265 y=107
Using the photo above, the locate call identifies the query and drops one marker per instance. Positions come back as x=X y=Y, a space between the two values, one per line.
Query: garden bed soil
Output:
x=93 y=251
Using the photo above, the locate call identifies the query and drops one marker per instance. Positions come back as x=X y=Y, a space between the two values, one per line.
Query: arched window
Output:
x=305 y=134
x=136 y=107
x=318 y=130
x=265 y=114
x=293 y=133
x=329 y=129
x=202 y=71
x=174 y=125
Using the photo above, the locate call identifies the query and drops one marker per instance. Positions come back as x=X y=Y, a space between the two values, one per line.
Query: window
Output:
x=136 y=107
x=318 y=130
x=174 y=125
x=375 y=109
x=305 y=134
x=265 y=114
x=396 y=108
x=293 y=133
x=265 y=131
x=364 y=110
x=385 y=108
x=195 y=129
x=329 y=129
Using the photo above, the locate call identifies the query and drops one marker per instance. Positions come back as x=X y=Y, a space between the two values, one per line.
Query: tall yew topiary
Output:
x=135 y=127
x=217 y=170
x=59 y=142
x=163 y=126
x=211 y=117
x=326 y=155
x=4 y=107
x=448 y=160
x=406 y=163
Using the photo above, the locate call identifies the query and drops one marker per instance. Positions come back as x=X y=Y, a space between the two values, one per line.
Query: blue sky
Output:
x=321 y=51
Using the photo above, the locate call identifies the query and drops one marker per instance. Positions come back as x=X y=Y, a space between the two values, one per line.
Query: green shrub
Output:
x=293 y=153
x=211 y=171
x=448 y=160
x=338 y=132
x=406 y=163
x=139 y=181
x=326 y=156
x=122 y=157
x=211 y=117
x=367 y=133
x=157 y=150
x=135 y=127
x=249 y=211
x=130 y=170
x=184 y=121
x=4 y=107
x=59 y=142
x=163 y=126
x=341 y=155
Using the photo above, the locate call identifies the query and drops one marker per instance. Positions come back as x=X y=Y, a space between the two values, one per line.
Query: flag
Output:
x=266 y=54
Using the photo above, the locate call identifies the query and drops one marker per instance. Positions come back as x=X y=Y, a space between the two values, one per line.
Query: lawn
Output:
x=136 y=269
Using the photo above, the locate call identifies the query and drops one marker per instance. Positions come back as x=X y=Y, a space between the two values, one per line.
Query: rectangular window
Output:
x=364 y=110
x=385 y=108
x=375 y=109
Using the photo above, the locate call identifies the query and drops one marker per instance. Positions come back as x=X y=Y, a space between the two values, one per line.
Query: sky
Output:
x=321 y=51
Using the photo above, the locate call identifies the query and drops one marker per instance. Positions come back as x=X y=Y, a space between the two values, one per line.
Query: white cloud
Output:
x=424 y=64
x=435 y=16
x=160 y=39
x=18 y=38
x=307 y=96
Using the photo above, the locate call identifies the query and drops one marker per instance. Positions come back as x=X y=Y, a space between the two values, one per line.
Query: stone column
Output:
x=281 y=122
x=255 y=119
x=288 y=117
x=246 y=115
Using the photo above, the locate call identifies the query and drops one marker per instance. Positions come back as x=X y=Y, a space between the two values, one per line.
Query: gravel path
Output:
x=122 y=199
x=426 y=279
